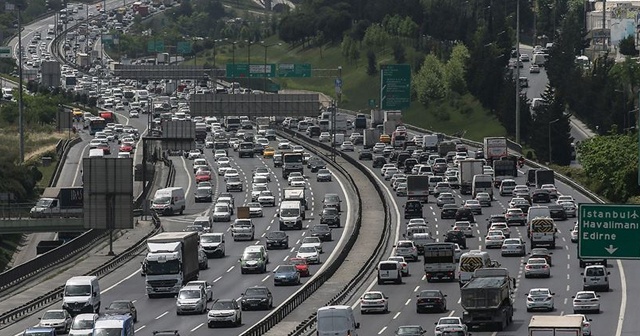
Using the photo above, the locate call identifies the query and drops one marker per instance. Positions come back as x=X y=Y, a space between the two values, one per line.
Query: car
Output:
x=203 y=194
x=595 y=277
x=347 y=146
x=465 y=214
x=315 y=163
x=256 y=297
x=322 y=231
x=406 y=249
x=441 y=187
x=365 y=154
x=379 y=161
x=586 y=301
x=374 y=301
x=191 y=299
x=301 y=265
x=484 y=199
x=284 y=145
x=259 y=179
x=570 y=208
x=465 y=227
x=474 y=206
x=448 y=211
x=324 y=137
x=494 y=238
x=315 y=241
x=515 y=215
x=233 y=183
x=255 y=209
x=219 y=154
x=203 y=175
x=444 y=199
x=524 y=58
x=231 y=173
x=402 y=189
x=586 y=324
x=330 y=216
x=410 y=330
x=224 y=311
x=456 y=236
x=502 y=227
x=574 y=233
x=286 y=275
x=553 y=192
x=310 y=253
x=266 y=198
x=324 y=175
x=534 y=68
x=537 y=267
x=277 y=239
x=256 y=189
x=262 y=171
x=268 y=152
x=205 y=285
x=451 y=323
x=457 y=252
x=540 y=299
x=513 y=246
x=194 y=154
x=221 y=212
x=431 y=300
x=58 y=319
x=403 y=263
x=331 y=201
x=540 y=196
x=541 y=252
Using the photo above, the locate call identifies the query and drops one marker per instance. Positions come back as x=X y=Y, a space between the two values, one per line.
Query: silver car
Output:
x=406 y=249
x=484 y=199
x=474 y=206
x=587 y=301
x=540 y=298
x=537 y=267
x=513 y=246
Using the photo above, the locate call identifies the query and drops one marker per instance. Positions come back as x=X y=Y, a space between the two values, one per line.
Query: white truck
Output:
x=430 y=143
x=418 y=188
x=371 y=136
x=59 y=202
x=341 y=123
x=468 y=169
x=296 y=194
x=440 y=261
x=495 y=148
x=263 y=125
x=377 y=118
x=549 y=325
x=291 y=214
x=171 y=262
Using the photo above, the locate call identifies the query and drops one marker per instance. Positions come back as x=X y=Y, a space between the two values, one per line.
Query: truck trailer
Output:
x=544 y=176
x=371 y=136
x=486 y=299
x=468 y=169
x=494 y=148
x=504 y=168
x=59 y=202
x=171 y=262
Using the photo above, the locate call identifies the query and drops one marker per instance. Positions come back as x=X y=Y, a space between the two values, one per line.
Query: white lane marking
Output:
x=269 y=226
x=285 y=258
x=293 y=249
x=161 y=315
x=230 y=268
x=198 y=326
x=396 y=315
x=568 y=276
x=137 y=330
x=407 y=303
x=623 y=302
x=451 y=313
x=416 y=289
x=568 y=288
x=186 y=170
x=265 y=278
x=217 y=279
x=121 y=281
x=382 y=330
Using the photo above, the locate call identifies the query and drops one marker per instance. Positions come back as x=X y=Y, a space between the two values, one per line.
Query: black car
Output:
x=465 y=214
x=365 y=154
x=313 y=131
x=556 y=211
x=331 y=201
x=315 y=164
x=277 y=239
x=379 y=161
x=203 y=195
x=431 y=300
x=256 y=297
x=122 y=307
x=540 y=196
x=330 y=216
x=408 y=165
x=413 y=209
x=448 y=211
x=524 y=207
x=456 y=236
x=322 y=231
x=277 y=160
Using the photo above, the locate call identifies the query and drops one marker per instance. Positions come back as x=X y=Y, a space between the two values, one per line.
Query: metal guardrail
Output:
x=171 y=176
x=62 y=158
x=57 y=293
x=306 y=291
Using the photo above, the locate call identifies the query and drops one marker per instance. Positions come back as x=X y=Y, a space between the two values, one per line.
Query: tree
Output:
x=399 y=53
x=627 y=46
x=430 y=83
x=552 y=130
x=372 y=65
x=375 y=37
x=455 y=69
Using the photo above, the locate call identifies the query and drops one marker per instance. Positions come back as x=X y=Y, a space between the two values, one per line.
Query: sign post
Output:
x=610 y=231
x=5 y=52
x=395 y=86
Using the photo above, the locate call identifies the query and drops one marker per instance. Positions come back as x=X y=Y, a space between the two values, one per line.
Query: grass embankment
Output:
x=37 y=145
x=454 y=115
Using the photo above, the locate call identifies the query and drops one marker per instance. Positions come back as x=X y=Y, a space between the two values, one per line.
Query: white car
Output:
x=403 y=263
x=284 y=146
x=266 y=198
x=199 y=163
x=586 y=324
x=494 y=238
x=262 y=171
x=134 y=114
x=194 y=154
x=231 y=173
x=208 y=289
x=347 y=146
x=297 y=149
x=457 y=253
x=565 y=198
x=324 y=137
x=222 y=168
x=406 y=249
x=502 y=227
x=219 y=153
x=389 y=172
x=256 y=189
x=474 y=206
x=309 y=253
x=297 y=181
x=378 y=147
x=293 y=175
x=540 y=298
x=553 y=192
x=59 y=319
x=315 y=241
x=374 y=301
x=221 y=212
x=223 y=160
x=255 y=209
x=587 y=301
x=449 y=324
x=224 y=311
x=465 y=227
x=574 y=233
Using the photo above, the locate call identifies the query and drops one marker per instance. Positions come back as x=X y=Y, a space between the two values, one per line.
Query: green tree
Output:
x=627 y=46
x=399 y=52
x=552 y=130
x=455 y=69
x=372 y=63
x=375 y=37
x=430 y=83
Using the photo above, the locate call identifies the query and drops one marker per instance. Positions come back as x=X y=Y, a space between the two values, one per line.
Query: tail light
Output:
x=527 y=267
x=586 y=324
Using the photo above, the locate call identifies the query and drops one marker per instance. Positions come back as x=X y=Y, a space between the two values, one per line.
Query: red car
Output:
x=126 y=148
x=105 y=148
x=301 y=266
x=203 y=175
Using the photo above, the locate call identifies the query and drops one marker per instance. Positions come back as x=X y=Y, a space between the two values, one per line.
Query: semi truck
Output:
x=494 y=148
x=486 y=299
x=295 y=194
x=377 y=118
x=504 y=168
x=59 y=202
x=440 y=261
x=418 y=188
x=371 y=136
x=360 y=122
x=546 y=325
x=171 y=262
x=445 y=147
x=292 y=162
x=430 y=143
x=468 y=169
x=544 y=176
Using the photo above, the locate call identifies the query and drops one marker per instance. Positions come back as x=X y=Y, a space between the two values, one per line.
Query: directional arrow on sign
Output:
x=611 y=249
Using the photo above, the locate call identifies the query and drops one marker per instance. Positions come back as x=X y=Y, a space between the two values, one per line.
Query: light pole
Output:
x=233 y=58
x=551 y=122
x=266 y=46
x=517 y=71
x=20 y=102
x=248 y=54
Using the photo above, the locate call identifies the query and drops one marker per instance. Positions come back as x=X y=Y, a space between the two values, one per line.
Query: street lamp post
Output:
x=266 y=46
x=517 y=71
x=233 y=57
x=20 y=102
x=551 y=122
x=248 y=54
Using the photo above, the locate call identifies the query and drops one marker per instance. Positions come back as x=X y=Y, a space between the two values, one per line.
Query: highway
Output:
x=159 y=314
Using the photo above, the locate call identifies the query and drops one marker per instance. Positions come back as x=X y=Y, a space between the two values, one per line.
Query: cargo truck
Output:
x=418 y=188
x=390 y=126
x=171 y=262
x=377 y=118
x=468 y=169
x=371 y=136
x=440 y=261
x=504 y=168
x=544 y=176
x=545 y=325
x=445 y=147
x=494 y=148
x=59 y=202
x=486 y=299
x=296 y=194
x=292 y=162
x=340 y=121
x=360 y=122
x=430 y=143
x=542 y=232
x=201 y=132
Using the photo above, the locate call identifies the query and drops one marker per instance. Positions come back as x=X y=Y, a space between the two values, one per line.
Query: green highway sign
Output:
x=184 y=48
x=609 y=231
x=155 y=46
x=5 y=52
x=294 y=70
x=244 y=70
x=372 y=103
x=395 y=86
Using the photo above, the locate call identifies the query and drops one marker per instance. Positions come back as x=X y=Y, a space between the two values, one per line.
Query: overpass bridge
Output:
x=33 y=225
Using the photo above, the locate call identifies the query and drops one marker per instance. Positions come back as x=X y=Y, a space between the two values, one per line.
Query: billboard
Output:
x=255 y=105
x=108 y=193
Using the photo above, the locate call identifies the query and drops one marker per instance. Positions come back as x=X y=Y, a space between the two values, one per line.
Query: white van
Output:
x=96 y=153
x=470 y=262
x=336 y=320
x=291 y=214
x=507 y=186
x=81 y=295
x=169 y=201
x=389 y=270
x=538 y=211
x=83 y=324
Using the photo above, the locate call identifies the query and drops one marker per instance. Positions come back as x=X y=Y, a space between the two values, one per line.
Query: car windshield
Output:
x=256 y=292
x=276 y=235
x=539 y=292
x=286 y=269
x=511 y=242
x=583 y=296
x=53 y=315
x=536 y=261
x=289 y=212
x=77 y=290
x=429 y=294
x=307 y=249
x=405 y=244
x=408 y=331
x=221 y=208
x=331 y=198
x=211 y=239
x=323 y=171
x=81 y=324
x=189 y=294
x=449 y=321
x=321 y=228
x=372 y=296
x=330 y=211
x=252 y=256
x=222 y=305
x=311 y=240
x=119 y=305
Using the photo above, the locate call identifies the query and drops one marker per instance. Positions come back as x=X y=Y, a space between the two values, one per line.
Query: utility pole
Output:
x=20 y=102
x=517 y=71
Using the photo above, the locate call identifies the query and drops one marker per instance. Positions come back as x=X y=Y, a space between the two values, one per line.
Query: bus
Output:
x=471 y=261
x=95 y=124
x=440 y=261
